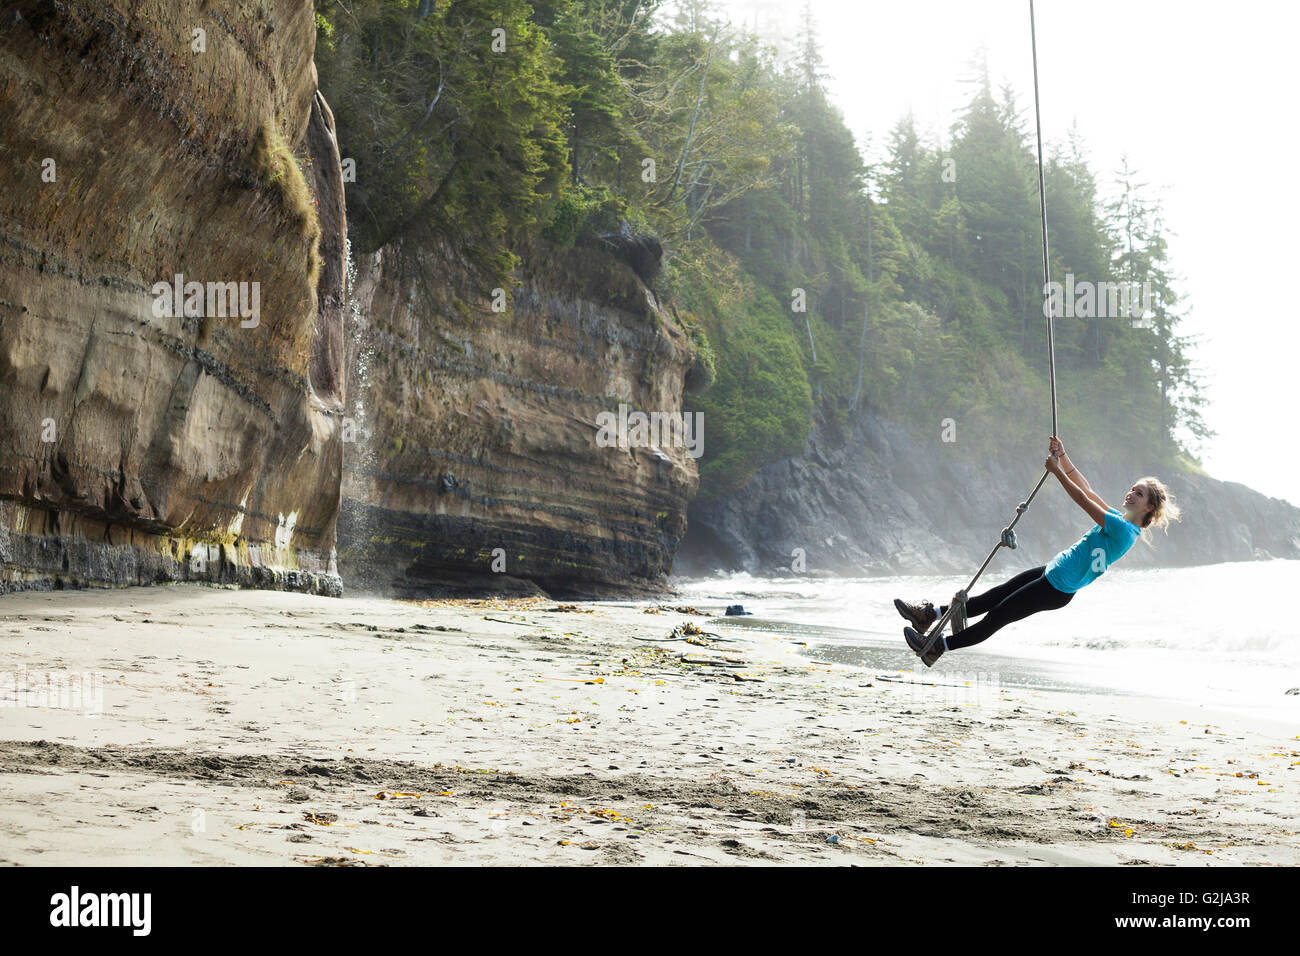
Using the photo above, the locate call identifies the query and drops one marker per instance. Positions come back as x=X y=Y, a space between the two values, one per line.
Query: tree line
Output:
x=820 y=284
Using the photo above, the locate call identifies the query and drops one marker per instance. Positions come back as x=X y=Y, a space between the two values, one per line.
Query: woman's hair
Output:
x=1165 y=510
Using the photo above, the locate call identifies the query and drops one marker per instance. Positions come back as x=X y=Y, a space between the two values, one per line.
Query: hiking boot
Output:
x=921 y=615
x=957 y=619
x=917 y=643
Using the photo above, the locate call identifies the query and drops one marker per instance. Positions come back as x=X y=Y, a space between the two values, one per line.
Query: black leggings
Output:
x=1027 y=593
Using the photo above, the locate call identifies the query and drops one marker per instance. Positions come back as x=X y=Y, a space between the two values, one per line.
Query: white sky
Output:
x=1199 y=95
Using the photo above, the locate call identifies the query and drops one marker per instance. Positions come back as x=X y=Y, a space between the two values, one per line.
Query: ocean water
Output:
x=1223 y=637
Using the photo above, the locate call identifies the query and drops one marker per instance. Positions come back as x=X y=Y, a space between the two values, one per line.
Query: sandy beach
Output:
x=218 y=726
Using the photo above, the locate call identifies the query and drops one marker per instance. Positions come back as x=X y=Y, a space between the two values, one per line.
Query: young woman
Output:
x=1052 y=585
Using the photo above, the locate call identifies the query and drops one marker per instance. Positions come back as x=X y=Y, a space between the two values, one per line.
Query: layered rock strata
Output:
x=140 y=443
x=479 y=463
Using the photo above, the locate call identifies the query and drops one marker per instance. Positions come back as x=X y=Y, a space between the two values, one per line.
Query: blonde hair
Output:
x=1165 y=510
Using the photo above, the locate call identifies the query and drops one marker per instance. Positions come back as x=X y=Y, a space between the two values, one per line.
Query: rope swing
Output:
x=1008 y=539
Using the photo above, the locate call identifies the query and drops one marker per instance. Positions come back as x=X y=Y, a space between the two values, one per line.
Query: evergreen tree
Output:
x=456 y=130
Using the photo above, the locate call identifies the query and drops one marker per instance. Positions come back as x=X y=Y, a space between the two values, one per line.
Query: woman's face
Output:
x=1139 y=499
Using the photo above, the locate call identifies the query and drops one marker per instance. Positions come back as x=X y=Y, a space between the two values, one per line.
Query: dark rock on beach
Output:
x=885 y=501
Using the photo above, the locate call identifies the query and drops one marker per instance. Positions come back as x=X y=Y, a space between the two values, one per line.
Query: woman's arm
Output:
x=1096 y=511
x=1074 y=473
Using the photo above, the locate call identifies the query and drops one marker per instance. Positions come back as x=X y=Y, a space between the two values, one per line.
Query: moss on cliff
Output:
x=280 y=168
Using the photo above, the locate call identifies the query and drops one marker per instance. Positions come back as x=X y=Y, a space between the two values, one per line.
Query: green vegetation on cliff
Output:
x=919 y=276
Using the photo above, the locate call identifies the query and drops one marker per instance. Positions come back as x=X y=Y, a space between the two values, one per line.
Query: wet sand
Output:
x=240 y=727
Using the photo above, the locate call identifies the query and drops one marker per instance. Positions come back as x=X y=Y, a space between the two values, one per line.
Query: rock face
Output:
x=477 y=463
x=142 y=140
x=887 y=502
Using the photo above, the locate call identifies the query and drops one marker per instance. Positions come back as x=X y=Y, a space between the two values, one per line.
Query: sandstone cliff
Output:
x=477 y=430
x=886 y=501
x=145 y=139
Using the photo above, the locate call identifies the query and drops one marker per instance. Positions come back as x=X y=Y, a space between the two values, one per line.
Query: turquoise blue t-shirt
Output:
x=1087 y=559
